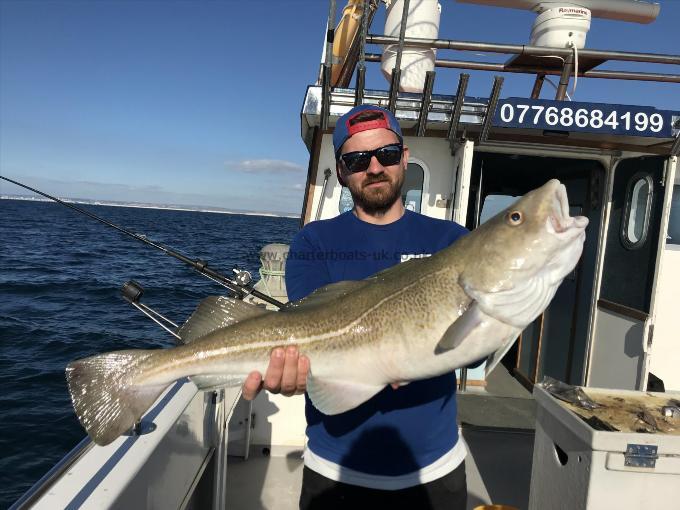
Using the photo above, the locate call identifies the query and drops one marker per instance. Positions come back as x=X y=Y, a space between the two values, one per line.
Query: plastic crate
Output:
x=577 y=467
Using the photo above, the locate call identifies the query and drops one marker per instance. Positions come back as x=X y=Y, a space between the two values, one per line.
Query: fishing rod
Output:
x=239 y=286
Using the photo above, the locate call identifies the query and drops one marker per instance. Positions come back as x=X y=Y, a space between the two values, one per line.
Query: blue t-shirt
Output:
x=397 y=431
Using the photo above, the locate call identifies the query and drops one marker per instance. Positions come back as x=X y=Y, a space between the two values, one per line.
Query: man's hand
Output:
x=286 y=374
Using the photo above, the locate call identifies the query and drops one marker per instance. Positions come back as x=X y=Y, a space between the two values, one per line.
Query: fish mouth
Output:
x=559 y=222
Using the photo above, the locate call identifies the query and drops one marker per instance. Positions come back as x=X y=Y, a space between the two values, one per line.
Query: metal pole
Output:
x=447 y=44
x=425 y=103
x=396 y=70
x=567 y=69
x=675 y=149
x=362 y=34
x=249 y=431
x=491 y=108
x=478 y=198
x=458 y=106
x=326 y=176
x=360 y=85
x=462 y=380
x=221 y=437
x=325 y=96
x=330 y=33
x=626 y=75
x=141 y=307
x=361 y=70
x=538 y=84
x=501 y=68
x=326 y=73
x=394 y=87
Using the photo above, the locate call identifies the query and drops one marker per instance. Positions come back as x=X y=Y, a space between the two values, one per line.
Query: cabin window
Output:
x=673 y=236
x=346 y=202
x=636 y=213
x=411 y=191
x=493 y=204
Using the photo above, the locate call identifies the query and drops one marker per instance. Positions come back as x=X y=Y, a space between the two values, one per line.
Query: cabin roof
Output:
x=473 y=115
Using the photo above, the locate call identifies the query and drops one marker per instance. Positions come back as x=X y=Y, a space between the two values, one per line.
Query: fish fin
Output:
x=335 y=397
x=104 y=397
x=217 y=312
x=402 y=269
x=461 y=329
x=210 y=382
x=328 y=293
x=495 y=357
x=472 y=335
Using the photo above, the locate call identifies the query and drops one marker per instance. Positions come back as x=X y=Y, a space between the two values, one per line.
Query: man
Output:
x=401 y=448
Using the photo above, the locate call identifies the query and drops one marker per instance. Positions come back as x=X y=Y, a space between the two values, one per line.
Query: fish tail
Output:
x=104 y=395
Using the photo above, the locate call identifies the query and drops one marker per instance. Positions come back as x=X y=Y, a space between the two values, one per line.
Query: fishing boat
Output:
x=611 y=324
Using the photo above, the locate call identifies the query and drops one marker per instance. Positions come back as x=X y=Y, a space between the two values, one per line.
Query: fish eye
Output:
x=515 y=218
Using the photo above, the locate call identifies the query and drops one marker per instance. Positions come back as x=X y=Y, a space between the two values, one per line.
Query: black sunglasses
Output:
x=359 y=161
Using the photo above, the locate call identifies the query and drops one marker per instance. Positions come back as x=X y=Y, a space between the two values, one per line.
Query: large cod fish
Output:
x=416 y=320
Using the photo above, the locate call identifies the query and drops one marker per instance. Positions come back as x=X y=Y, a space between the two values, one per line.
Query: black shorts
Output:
x=320 y=493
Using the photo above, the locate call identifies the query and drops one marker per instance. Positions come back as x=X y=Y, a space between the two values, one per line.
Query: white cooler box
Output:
x=576 y=467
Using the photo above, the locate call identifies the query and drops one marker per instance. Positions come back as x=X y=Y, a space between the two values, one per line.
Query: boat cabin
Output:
x=471 y=157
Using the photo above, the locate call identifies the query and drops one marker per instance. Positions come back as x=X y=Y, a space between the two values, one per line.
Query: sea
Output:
x=61 y=275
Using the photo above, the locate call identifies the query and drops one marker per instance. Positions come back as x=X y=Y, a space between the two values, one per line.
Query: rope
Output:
x=269 y=272
x=547 y=78
x=272 y=272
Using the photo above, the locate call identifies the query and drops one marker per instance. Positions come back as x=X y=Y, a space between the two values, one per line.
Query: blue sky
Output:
x=198 y=102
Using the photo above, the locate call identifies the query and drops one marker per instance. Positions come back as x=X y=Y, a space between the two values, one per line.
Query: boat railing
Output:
x=525 y=59
x=183 y=438
x=40 y=488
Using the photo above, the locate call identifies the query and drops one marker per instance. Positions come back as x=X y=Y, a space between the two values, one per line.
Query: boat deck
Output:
x=496 y=422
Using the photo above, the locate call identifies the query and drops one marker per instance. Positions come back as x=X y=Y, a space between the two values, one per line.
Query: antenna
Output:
x=561 y=26
x=621 y=10
x=565 y=24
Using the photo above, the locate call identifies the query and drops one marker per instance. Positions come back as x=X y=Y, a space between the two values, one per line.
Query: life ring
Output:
x=346 y=31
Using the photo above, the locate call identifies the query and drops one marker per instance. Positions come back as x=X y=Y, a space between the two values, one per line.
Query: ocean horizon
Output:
x=140 y=205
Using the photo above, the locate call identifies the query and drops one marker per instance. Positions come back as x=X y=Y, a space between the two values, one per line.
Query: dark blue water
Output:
x=60 y=280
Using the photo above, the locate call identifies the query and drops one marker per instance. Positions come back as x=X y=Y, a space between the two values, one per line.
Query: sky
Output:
x=198 y=102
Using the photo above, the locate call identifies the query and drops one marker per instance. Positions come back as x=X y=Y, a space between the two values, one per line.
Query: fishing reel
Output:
x=243 y=277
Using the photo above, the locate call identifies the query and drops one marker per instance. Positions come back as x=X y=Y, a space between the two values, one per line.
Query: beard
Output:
x=377 y=200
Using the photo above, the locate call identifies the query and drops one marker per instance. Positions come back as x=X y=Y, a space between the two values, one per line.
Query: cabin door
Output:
x=664 y=345
x=555 y=344
x=635 y=239
x=458 y=212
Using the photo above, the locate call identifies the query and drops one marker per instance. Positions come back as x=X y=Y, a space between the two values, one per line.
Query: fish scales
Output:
x=354 y=324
